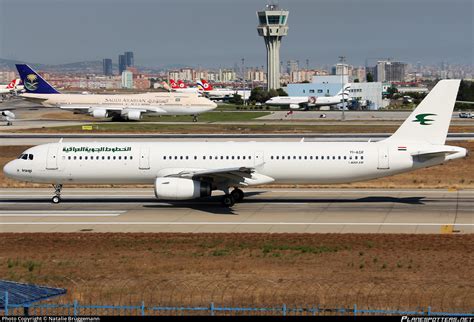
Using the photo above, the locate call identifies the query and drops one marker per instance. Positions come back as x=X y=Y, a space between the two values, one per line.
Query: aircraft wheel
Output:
x=56 y=199
x=238 y=195
x=228 y=201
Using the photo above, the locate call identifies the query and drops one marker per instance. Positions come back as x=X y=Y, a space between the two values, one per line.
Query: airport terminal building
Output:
x=363 y=95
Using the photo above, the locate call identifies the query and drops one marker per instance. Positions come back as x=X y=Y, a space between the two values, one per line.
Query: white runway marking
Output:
x=49 y=213
x=233 y=223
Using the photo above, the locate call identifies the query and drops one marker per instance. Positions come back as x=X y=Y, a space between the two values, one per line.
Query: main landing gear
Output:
x=195 y=118
x=230 y=199
x=57 y=193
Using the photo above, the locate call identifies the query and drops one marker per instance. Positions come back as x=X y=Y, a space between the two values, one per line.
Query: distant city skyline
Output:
x=218 y=33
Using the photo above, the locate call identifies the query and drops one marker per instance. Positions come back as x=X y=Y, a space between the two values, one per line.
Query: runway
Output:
x=264 y=210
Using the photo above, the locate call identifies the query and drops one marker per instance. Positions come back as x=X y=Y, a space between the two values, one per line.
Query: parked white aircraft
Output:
x=129 y=107
x=300 y=102
x=221 y=93
x=187 y=170
x=12 y=87
x=7 y=116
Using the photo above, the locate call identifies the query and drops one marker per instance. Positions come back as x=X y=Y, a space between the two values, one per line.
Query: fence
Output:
x=77 y=309
x=237 y=296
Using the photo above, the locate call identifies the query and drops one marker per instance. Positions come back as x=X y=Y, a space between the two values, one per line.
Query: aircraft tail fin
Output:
x=173 y=84
x=205 y=85
x=344 y=92
x=430 y=120
x=33 y=82
x=181 y=84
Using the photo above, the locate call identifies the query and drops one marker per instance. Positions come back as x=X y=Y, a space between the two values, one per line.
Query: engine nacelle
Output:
x=99 y=113
x=295 y=106
x=132 y=115
x=181 y=189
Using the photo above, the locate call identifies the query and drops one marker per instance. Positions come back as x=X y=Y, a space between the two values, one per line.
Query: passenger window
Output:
x=222 y=157
x=362 y=157
x=75 y=157
x=238 y=157
x=125 y=157
x=210 y=158
x=103 y=157
x=271 y=157
x=131 y=158
x=176 y=157
x=333 y=157
x=69 y=157
x=204 y=157
x=114 y=157
x=195 y=157
x=345 y=158
x=339 y=157
x=181 y=157
x=108 y=157
x=294 y=157
x=85 y=158
x=356 y=157
x=311 y=157
x=232 y=157
x=305 y=157
x=277 y=157
x=243 y=157
x=250 y=158
x=120 y=157
x=80 y=157
x=164 y=157
x=187 y=157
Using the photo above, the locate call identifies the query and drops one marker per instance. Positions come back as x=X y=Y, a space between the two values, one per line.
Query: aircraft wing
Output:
x=242 y=176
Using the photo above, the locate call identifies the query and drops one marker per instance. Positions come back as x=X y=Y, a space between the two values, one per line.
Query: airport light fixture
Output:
x=272 y=26
x=342 y=60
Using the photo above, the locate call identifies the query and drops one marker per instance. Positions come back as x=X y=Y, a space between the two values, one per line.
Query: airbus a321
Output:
x=187 y=170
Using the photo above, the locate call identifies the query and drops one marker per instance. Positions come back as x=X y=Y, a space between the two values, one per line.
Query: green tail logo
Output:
x=422 y=119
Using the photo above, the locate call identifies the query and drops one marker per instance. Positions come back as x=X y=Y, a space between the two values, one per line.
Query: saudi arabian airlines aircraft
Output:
x=129 y=107
x=303 y=102
x=187 y=170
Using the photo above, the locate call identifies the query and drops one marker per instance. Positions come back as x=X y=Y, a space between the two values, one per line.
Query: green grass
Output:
x=219 y=116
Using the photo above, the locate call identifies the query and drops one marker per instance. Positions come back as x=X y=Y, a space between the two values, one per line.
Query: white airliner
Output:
x=11 y=88
x=187 y=170
x=129 y=107
x=301 y=102
x=221 y=93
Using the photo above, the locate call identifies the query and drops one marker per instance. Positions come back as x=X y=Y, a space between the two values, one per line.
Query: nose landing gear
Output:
x=57 y=193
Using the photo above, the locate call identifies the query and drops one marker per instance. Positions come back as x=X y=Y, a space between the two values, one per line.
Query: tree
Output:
x=370 y=78
x=391 y=91
x=236 y=99
x=281 y=92
x=258 y=94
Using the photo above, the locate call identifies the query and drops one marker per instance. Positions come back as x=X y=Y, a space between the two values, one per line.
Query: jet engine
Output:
x=99 y=113
x=181 y=189
x=294 y=106
x=132 y=115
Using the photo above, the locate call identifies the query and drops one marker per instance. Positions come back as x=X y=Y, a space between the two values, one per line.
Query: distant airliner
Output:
x=187 y=170
x=129 y=106
x=301 y=102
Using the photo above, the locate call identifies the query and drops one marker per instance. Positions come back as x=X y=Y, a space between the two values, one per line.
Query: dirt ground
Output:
x=376 y=271
x=457 y=174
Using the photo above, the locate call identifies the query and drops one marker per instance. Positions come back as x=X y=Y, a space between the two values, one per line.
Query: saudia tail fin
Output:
x=430 y=121
x=33 y=82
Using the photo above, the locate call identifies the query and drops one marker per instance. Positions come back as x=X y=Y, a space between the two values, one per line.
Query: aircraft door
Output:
x=384 y=160
x=144 y=163
x=52 y=157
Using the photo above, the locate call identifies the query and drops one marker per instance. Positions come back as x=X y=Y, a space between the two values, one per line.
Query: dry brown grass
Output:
x=381 y=271
x=457 y=174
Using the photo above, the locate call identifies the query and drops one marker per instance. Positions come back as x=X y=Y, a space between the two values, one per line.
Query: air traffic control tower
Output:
x=272 y=26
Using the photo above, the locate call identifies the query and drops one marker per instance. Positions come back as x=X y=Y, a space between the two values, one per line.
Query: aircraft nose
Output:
x=10 y=169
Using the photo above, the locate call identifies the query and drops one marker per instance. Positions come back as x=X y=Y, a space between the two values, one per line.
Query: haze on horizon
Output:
x=218 y=33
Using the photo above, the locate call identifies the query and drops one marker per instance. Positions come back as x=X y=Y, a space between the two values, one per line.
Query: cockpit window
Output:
x=30 y=156
x=20 y=156
x=24 y=157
